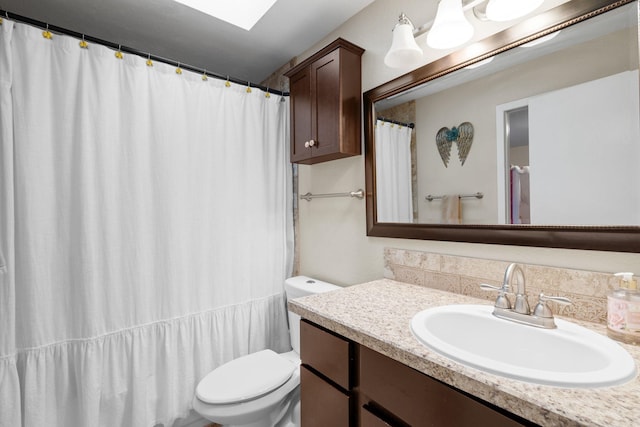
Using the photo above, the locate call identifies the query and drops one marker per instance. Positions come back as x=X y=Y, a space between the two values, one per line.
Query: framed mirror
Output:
x=529 y=137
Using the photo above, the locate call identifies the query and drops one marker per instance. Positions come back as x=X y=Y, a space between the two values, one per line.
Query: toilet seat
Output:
x=245 y=378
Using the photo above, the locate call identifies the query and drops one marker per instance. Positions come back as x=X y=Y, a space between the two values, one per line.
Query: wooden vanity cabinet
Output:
x=325 y=102
x=347 y=384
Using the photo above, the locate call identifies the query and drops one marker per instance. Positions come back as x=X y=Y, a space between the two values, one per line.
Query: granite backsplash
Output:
x=586 y=289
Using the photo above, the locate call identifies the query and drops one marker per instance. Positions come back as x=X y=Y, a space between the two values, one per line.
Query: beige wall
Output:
x=332 y=232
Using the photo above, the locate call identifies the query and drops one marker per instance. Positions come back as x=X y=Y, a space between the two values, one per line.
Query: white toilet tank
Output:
x=300 y=286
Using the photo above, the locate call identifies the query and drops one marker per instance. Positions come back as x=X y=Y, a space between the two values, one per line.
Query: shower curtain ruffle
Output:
x=127 y=378
x=9 y=392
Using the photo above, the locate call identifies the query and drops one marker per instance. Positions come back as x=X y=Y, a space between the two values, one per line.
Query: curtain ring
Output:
x=83 y=44
x=204 y=75
x=119 y=54
x=178 y=70
x=227 y=83
x=47 y=34
x=149 y=61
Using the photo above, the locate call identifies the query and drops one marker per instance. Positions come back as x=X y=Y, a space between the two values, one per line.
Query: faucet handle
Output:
x=502 y=301
x=542 y=308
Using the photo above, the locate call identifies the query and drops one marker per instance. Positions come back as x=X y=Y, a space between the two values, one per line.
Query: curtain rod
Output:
x=409 y=125
x=125 y=49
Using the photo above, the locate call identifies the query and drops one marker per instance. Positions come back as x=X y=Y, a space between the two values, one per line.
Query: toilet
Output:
x=261 y=389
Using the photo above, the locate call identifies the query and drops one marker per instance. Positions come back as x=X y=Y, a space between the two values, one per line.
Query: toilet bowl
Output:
x=260 y=389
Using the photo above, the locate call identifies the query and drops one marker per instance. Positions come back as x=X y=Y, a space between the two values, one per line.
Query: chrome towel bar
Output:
x=358 y=194
x=477 y=195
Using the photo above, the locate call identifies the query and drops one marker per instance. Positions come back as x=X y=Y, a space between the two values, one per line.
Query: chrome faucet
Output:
x=521 y=305
x=520 y=312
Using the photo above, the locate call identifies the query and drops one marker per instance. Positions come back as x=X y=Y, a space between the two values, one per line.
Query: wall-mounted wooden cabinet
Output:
x=325 y=104
x=347 y=384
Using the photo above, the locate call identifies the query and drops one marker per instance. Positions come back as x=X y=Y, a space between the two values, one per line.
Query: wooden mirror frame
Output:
x=604 y=238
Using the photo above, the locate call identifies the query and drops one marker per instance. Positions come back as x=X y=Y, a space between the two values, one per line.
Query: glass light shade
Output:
x=404 y=50
x=507 y=10
x=450 y=28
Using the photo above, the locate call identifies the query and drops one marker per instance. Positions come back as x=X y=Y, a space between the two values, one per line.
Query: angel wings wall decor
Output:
x=461 y=135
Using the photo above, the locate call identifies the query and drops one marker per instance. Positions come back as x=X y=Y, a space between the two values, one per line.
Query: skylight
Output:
x=241 y=13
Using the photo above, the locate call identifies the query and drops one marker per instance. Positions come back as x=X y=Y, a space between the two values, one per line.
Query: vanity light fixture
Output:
x=404 y=49
x=507 y=10
x=450 y=28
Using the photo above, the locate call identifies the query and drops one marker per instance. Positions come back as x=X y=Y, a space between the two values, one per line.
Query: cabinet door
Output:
x=325 y=93
x=301 y=113
x=322 y=404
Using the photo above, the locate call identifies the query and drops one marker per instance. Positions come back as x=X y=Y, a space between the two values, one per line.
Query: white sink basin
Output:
x=569 y=356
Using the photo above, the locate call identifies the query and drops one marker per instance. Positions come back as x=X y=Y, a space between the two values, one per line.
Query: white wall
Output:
x=333 y=241
x=574 y=145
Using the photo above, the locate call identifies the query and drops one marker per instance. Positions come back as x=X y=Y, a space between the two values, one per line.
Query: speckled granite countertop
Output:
x=377 y=314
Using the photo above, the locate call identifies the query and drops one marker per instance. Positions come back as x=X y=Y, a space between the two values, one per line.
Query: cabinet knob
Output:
x=312 y=143
x=306 y=144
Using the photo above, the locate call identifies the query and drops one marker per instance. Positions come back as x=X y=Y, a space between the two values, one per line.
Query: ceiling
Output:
x=171 y=30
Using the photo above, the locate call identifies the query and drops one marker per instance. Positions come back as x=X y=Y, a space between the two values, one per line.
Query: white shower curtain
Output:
x=393 y=172
x=146 y=232
x=10 y=414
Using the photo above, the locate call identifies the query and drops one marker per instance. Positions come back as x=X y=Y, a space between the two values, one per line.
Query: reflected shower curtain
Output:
x=146 y=232
x=520 y=195
x=393 y=172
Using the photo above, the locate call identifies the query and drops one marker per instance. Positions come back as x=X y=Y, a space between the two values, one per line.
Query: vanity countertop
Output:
x=377 y=315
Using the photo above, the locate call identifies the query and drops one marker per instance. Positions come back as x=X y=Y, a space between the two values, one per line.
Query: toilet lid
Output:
x=245 y=378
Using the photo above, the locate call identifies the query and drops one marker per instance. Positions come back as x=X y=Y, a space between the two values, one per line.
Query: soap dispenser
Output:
x=623 y=310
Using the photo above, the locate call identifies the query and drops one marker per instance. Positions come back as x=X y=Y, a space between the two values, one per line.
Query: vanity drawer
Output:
x=322 y=404
x=326 y=353
x=370 y=419
x=419 y=400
